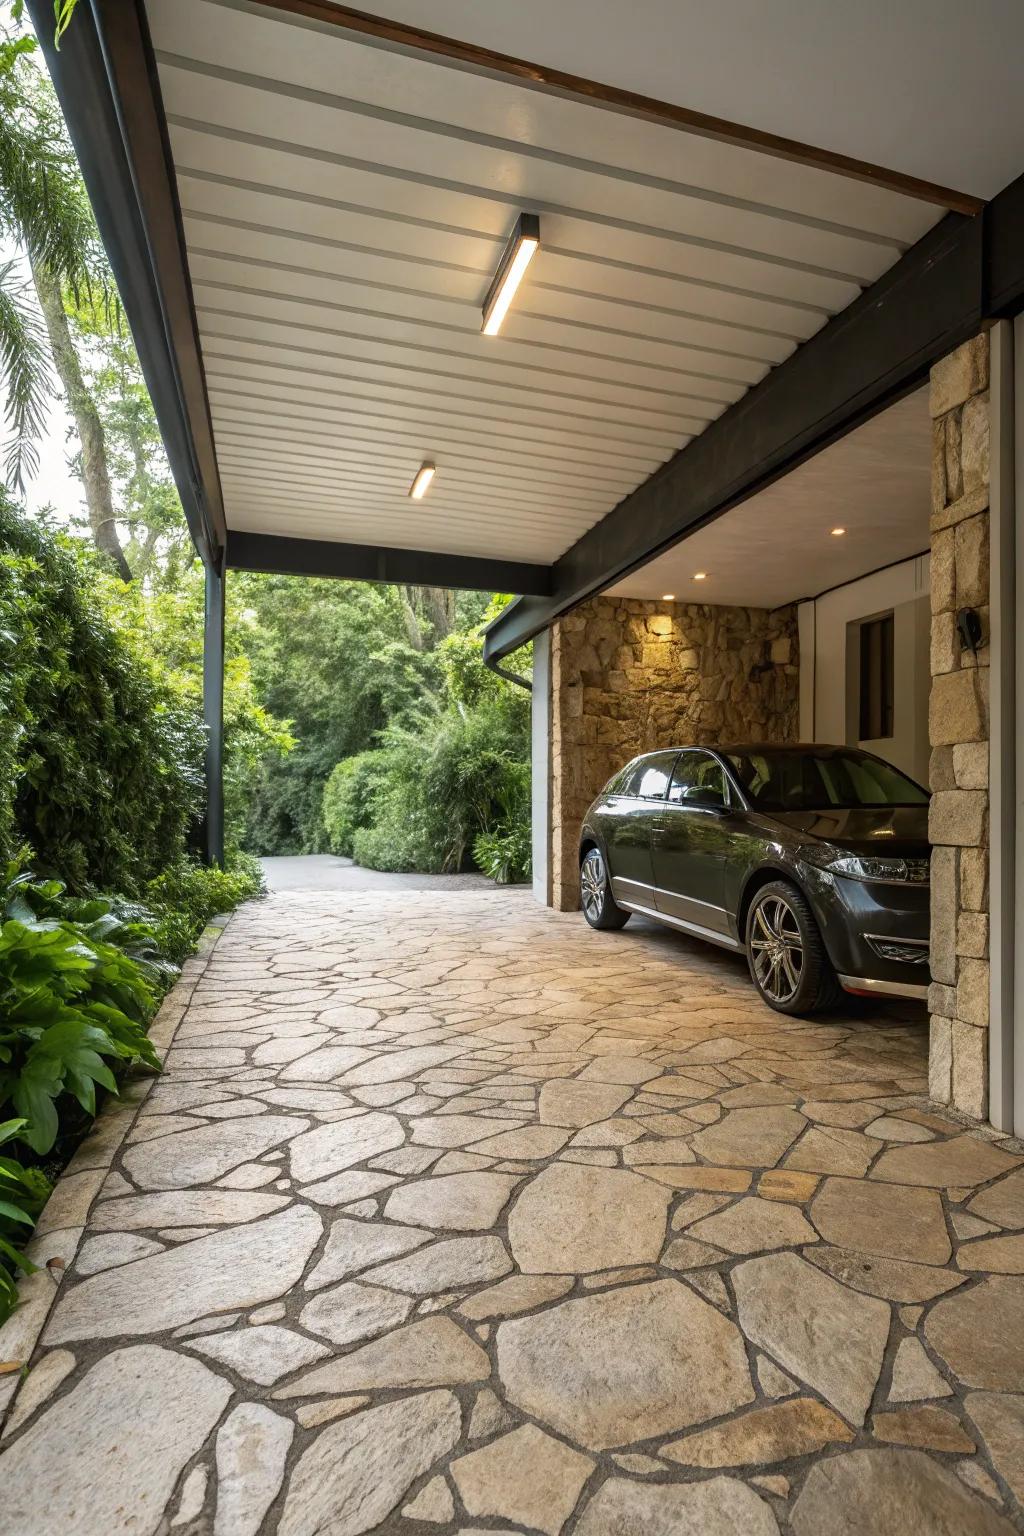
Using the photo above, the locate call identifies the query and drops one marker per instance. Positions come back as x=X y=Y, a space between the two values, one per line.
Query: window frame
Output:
x=729 y=799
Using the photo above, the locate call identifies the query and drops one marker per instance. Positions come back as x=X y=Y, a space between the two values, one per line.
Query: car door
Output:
x=627 y=827
x=690 y=842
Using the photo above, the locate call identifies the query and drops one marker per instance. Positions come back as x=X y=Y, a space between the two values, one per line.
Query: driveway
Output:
x=450 y=1215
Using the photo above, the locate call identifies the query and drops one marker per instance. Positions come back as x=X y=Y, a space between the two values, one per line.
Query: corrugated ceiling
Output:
x=345 y=207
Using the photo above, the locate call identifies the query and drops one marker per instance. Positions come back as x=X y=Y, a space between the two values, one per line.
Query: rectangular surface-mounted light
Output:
x=516 y=257
x=424 y=475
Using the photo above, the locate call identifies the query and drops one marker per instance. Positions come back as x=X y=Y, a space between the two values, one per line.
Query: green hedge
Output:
x=100 y=760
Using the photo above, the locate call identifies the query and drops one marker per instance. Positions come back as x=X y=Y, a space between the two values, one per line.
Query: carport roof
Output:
x=305 y=206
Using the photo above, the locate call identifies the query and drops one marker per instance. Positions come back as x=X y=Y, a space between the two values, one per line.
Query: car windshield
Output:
x=820 y=781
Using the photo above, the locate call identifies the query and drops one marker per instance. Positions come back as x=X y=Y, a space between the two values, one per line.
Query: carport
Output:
x=306 y=207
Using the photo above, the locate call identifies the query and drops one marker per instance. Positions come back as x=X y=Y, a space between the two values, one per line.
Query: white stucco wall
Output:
x=829 y=662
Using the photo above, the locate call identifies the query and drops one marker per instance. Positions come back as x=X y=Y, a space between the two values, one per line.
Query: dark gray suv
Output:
x=814 y=860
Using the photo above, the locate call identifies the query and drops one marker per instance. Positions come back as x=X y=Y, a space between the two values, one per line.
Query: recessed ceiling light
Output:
x=668 y=597
x=700 y=575
x=837 y=533
x=424 y=475
x=515 y=258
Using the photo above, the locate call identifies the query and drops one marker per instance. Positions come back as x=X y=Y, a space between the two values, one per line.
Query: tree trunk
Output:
x=439 y=609
x=95 y=474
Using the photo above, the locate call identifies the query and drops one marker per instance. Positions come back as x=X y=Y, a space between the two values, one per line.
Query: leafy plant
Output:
x=23 y=1193
x=505 y=853
x=70 y=1004
x=182 y=900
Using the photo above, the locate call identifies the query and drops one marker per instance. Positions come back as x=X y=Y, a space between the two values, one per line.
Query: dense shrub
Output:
x=456 y=773
x=183 y=899
x=101 y=762
x=348 y=799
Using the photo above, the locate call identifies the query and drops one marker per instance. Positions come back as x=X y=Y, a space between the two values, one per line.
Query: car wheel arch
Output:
x=758 y=878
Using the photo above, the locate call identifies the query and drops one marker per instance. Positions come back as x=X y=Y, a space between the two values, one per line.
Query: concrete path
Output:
x=449 y=1214
x=325 y=872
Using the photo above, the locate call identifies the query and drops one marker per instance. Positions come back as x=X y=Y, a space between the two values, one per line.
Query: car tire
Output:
x=788 y=962
x=599 y=905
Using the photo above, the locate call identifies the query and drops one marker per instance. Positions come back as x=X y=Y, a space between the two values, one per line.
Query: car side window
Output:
x=648 y=779
x=699 y=779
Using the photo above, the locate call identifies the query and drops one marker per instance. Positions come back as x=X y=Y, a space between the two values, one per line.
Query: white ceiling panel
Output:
x=778 y=546
x=345 y=205
x=928 y=87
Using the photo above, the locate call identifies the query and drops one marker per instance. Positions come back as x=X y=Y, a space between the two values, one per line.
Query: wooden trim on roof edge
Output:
x=556 y=82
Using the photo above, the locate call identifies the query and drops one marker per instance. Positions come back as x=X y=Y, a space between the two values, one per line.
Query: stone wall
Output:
x=630 y=676
x=959 y=731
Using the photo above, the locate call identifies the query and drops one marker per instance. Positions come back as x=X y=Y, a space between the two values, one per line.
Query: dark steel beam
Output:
x=105 y=78
x=213 y=712
x=869 y=355
x=368 y=562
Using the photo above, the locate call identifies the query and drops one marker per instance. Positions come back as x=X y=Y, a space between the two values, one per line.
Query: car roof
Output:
x=741 y=747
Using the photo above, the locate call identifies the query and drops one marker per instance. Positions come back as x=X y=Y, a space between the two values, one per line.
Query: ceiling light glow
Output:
x=700 y=575
x=837 y=533
x=424 y=475
x=516 y=257
x=669 y=597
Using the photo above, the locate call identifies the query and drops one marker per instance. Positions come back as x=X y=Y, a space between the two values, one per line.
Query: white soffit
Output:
x=344 y=209
x=930 y=88
x=778 y=547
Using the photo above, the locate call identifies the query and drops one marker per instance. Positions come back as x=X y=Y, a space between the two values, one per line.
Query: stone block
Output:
x=970 y=764
x=969 y=1052
x=944 y=905
x=660 y=624
x=945 y=643
x=687 y=660
x=969 y=505
x=972 y=936
x=951 y=454
x=972 y=992
x=943 y=571
x=942 y=1000
x=940 y=769
x=974 y=879
x=939 y=497
x=958 y=818
x=940 y=1060
x=957 y=377
x=957 y=709
x=974 y=443
x=972 y=561
x=781 y=650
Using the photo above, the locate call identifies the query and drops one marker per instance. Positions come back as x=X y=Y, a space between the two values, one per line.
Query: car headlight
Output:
x=866 y=867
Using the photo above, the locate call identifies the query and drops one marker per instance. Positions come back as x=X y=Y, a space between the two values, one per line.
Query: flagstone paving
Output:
x=450 y=1215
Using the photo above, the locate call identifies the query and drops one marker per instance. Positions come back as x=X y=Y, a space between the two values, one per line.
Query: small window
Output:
x=698 y=780
x=876 y=678
x=648 y=778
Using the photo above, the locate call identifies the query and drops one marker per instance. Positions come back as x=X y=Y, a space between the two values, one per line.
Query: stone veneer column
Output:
x=959 y=730
x=629 y=676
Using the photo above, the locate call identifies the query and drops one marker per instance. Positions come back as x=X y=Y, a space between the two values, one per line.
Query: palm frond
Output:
x=43 y=203
x=24 y=374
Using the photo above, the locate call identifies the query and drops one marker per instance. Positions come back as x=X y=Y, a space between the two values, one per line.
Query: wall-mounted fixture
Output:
x=421 y=481
x=515 y=258
x=968 y=627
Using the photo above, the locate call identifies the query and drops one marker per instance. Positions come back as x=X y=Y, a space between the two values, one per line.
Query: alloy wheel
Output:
x=593 y=884
x=777 y=949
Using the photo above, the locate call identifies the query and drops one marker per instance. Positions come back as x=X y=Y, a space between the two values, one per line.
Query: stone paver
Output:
x=449 y=1214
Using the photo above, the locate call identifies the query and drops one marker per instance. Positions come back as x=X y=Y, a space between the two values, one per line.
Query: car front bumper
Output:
x=876 y=933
